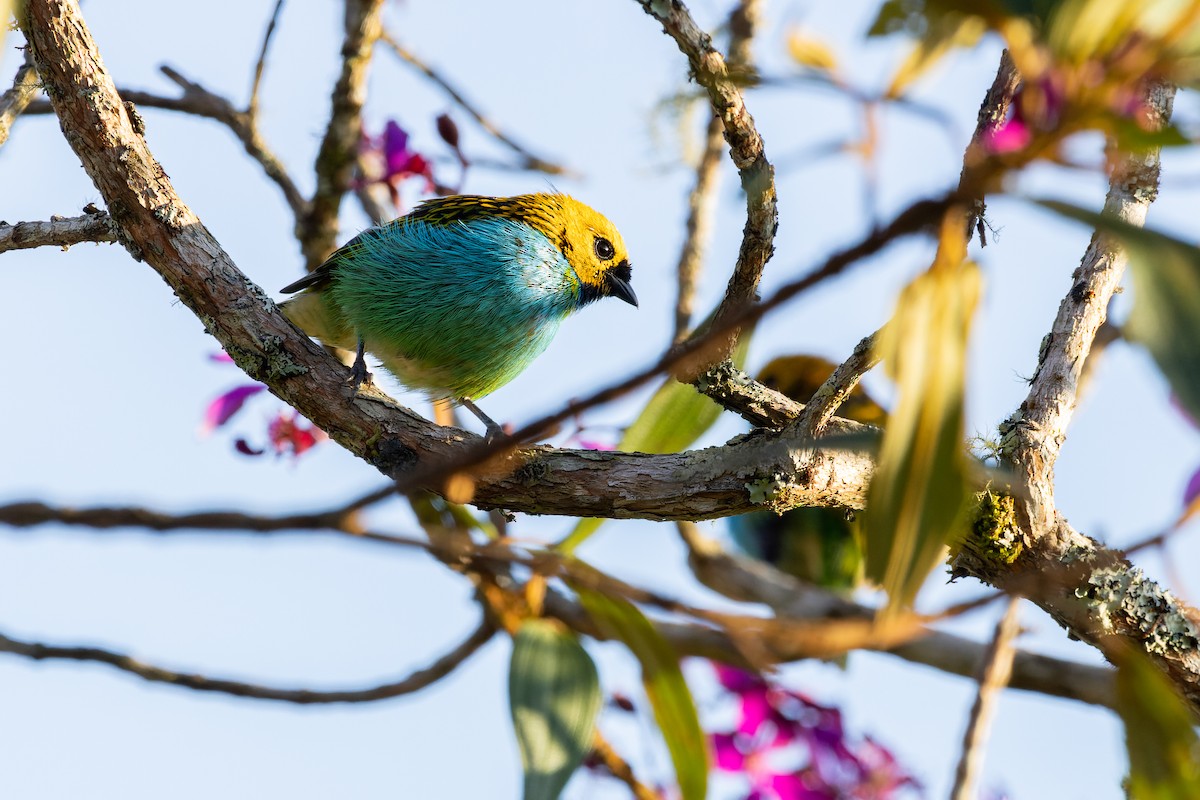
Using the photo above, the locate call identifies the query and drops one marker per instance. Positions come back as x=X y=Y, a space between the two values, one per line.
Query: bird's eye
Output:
x=604 y=249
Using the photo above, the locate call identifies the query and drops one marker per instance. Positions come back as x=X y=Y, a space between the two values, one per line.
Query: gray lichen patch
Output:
x=1122 y=596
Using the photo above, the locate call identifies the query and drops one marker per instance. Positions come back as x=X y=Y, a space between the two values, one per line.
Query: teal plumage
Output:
x=459 y=296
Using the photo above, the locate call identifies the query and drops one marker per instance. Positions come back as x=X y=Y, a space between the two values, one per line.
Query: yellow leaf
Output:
x=920 y=488
x=944 y=34
x=810 y=52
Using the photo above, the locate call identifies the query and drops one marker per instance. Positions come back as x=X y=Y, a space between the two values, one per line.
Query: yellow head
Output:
x=590 y=243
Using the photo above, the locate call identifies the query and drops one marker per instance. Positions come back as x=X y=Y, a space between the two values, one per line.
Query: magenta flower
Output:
x=779 y=729
x=387 y=159
x=287 y=433
x=222 y=409
x=290 y=435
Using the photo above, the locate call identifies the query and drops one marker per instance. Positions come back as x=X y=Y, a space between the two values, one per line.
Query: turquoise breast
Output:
x=459 y=309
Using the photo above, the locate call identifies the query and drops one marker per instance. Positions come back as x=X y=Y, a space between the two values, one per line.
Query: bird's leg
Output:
x=494 y=431
x=358 y=372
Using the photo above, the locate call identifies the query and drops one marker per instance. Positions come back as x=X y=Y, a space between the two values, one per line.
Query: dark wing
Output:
x=319 y=278
x=437 y=211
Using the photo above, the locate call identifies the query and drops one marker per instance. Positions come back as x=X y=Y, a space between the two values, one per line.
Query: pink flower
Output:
x=779 y=728
x=287 y=433
x=387 y=159
x=222 y=409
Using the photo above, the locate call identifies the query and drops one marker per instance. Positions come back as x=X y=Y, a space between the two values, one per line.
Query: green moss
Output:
x=993 y=534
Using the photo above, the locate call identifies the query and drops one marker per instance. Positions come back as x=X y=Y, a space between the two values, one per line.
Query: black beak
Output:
x=617 y=284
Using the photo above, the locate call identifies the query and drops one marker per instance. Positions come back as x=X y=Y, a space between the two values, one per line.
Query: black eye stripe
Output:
x=604 y=248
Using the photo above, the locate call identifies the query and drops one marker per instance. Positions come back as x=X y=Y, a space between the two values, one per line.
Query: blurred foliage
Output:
x=1164 y=753
x=671 y=700
x=919 y=491
x=554 y=695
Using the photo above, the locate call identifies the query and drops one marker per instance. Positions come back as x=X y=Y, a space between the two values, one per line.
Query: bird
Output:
x=457 y=297
x=821 y=546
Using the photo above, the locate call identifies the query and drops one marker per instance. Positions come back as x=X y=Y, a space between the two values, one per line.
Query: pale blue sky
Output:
x=108 y=376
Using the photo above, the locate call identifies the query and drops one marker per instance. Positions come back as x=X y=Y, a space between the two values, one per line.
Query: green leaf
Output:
x=1165 y=318
x=1164 y=754
x=920 y=488
x=554 y=695
x=676 y=416
x=674 y=709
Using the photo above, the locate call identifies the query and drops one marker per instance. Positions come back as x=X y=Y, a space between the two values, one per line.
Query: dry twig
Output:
x=187 y=680
x=994 y=675
x=57 y=232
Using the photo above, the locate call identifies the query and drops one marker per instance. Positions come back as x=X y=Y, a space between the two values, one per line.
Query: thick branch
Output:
x=188 y=680
x=339 y=148
x=710 y=70
x=1092 y=591
x=57 y=232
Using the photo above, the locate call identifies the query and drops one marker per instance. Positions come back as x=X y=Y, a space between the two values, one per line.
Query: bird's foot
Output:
x=494 y=432
x=360 y=376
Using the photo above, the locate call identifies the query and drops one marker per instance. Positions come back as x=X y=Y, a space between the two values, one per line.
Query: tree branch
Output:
x=244 y=125
x=711 y=71
x=750 y=581
x=339 y=148
x=18 y=98
x=528 y=161
x=260 y=65
x=993 y=676
x=1092 y=591
x=57 y=232
x=187 y=680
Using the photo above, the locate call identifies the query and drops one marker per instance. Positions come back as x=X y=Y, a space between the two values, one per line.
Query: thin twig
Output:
x=993 y=676
x=619 y=768
x=702 y=200
x=57 y=232
x=529 y=161
x=30 y=513
x=260 y=64
x=415 y=682
x=698 y=229
x=837 y=387
x=200 y=101
x=17 y=99
x=992 y=112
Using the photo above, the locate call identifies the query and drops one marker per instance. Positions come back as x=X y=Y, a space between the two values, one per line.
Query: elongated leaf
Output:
x=1165 y=318
x=676 y=416
x=6 y=11
x=939 y=39
x=554 y=695
x=809 y=51
x=1164 y=754
x=920 y=487
x=674 y=709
